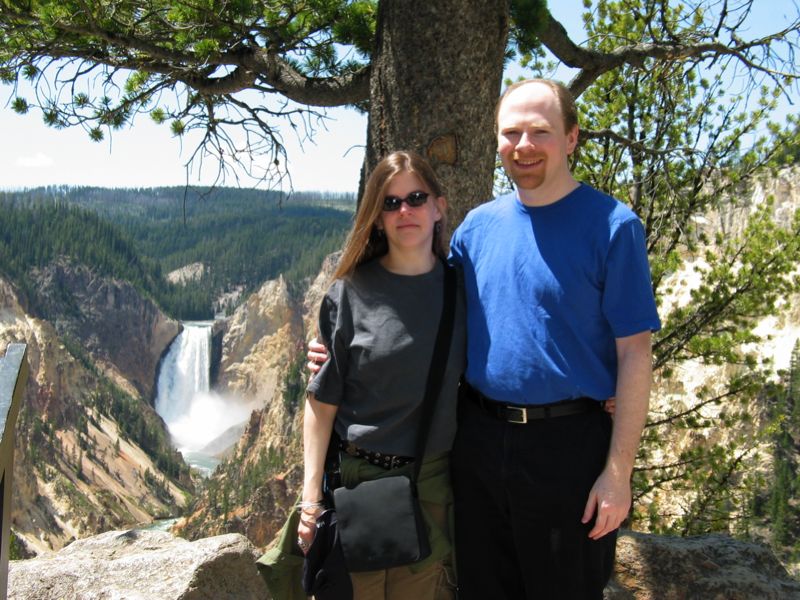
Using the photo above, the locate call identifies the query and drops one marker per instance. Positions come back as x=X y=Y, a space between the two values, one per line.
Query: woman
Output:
x=379 y=319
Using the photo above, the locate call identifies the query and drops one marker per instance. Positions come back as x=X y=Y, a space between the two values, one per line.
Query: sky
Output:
x=146 y=154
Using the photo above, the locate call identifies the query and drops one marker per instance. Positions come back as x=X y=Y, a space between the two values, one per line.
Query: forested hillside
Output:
x=242 y=237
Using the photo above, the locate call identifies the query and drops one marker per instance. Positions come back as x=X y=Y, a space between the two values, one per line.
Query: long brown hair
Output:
x=365 y=242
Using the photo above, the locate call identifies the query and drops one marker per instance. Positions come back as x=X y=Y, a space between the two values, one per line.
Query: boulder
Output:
x=708 y=567
x=141 y=565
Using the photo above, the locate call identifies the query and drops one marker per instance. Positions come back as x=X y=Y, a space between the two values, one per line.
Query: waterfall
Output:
x=184 y=371
x=197 y=418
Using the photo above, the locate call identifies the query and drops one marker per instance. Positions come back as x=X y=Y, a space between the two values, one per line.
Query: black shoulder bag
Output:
x=380 y=522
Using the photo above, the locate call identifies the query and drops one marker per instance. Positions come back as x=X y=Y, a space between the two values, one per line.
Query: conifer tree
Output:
x=245 y=74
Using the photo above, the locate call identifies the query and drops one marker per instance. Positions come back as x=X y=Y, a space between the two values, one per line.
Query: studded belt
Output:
x=379 y=459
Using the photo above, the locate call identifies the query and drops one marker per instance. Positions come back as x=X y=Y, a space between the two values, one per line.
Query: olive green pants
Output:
x=432 y=578
x=434 y=582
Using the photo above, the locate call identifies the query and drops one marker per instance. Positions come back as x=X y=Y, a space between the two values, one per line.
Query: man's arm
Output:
x=317 y=354
x=611 y=493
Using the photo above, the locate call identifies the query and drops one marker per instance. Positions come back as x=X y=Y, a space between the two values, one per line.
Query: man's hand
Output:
x=317 y=354
x=611 y=497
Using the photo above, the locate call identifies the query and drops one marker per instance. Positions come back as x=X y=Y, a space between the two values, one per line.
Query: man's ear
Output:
x=572 y=139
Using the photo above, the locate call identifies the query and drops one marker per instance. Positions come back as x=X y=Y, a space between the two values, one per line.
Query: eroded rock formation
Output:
x=124 y=333
x=141 y=565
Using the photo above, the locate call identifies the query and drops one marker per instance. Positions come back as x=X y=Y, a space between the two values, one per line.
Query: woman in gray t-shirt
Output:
x=379 y=320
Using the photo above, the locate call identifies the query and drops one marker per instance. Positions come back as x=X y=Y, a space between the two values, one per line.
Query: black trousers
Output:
x=520 y=492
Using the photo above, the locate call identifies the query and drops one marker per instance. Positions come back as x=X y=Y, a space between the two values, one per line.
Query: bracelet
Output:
x=302 y=506
x=309 y=520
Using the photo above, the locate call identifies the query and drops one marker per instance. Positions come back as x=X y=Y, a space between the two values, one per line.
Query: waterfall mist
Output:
x=201 y=422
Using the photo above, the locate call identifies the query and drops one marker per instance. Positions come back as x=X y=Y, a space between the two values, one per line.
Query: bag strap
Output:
x=441 y=350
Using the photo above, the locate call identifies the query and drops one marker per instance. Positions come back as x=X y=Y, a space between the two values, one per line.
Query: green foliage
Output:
x=775 y=506
x=234 y=482
x=36 y=235
x=153 y=53
x=16 y=548
x=160 y=487
x=787 y=146
x=357 y=26
x=295 y=382
x=243 y=237
x=742 y=280
x=178 y=127
x=19 y=105
x=526 y=18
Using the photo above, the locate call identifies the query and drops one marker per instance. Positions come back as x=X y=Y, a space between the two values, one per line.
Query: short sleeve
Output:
x=328 y=384
x=628 y=301
x=456 y=257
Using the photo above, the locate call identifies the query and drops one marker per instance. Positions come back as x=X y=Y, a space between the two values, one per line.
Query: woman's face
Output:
x=409 y=227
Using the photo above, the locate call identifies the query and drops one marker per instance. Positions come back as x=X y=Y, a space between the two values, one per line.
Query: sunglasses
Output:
x=414 y=199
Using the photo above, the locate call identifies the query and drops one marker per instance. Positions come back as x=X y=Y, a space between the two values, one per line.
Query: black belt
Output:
x=379 y=459
x=524 y=414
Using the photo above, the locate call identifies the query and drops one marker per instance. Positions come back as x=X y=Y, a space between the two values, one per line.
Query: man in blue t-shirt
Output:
x=560 y=311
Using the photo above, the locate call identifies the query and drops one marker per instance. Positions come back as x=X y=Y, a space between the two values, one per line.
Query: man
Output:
x=559 y=315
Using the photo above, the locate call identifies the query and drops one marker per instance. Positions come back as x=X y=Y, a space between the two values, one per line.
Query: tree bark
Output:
x=417 y=90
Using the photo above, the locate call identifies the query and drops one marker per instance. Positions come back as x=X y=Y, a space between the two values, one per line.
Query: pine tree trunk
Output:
x=417 y=99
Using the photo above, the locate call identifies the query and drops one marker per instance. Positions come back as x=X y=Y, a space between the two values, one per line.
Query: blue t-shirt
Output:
x=548 y=290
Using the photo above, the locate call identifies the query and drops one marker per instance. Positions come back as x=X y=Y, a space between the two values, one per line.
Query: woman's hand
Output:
x=610 y=406
x=318 y=419
x=306 y=530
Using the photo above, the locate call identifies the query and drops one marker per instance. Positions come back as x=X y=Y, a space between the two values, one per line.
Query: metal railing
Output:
x=13 y=377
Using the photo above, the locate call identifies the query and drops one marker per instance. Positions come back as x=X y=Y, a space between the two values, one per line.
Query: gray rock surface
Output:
x=154 y=565
x=141 y=565
x=708 y=567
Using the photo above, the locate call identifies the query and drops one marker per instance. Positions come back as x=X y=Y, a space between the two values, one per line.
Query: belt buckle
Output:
x=522 y=411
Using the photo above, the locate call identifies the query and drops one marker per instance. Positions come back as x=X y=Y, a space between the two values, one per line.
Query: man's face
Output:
x=531 y=140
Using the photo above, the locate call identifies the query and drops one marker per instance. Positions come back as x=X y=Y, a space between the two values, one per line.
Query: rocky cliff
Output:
x=80 y=465
x=124 y=334
x=781 y=188
x=156 y=566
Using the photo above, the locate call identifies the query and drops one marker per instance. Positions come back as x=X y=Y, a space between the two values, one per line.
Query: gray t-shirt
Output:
x=380 y=329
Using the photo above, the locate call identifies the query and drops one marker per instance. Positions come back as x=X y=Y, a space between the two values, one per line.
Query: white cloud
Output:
x=38 y=160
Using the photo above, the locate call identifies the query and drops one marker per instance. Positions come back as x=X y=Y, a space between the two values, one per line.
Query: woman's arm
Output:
x=317 y=427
